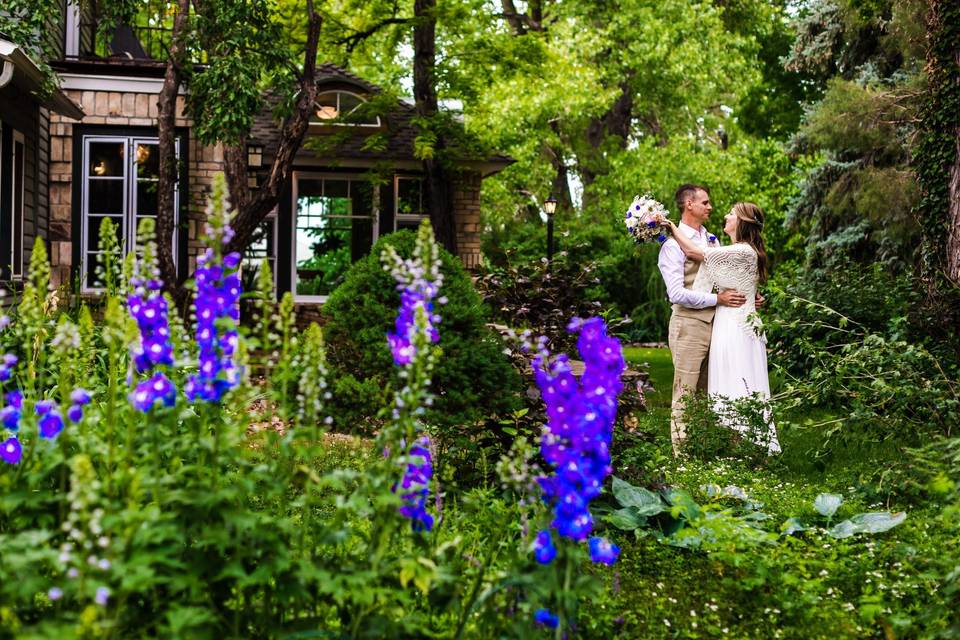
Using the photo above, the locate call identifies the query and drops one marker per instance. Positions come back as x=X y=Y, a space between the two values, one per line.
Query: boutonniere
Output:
x=711 y=239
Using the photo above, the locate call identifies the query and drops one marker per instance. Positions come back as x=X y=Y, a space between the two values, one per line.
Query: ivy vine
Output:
x=939 y=118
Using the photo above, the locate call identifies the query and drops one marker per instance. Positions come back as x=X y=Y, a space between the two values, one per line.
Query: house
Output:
x=25 y=113
x=356 y=177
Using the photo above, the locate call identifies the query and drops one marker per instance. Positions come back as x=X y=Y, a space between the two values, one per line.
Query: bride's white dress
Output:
x=738 y=350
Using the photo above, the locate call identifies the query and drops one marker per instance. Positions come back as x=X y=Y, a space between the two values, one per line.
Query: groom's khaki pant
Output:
x=689 y=342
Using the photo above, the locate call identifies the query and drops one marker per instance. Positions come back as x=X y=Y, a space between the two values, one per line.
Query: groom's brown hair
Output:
x=687 y=191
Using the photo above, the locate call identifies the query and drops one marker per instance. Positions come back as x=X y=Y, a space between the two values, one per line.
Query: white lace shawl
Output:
x=732 y=267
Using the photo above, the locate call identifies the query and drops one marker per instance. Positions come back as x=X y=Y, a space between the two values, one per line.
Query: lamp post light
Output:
x=550 y=207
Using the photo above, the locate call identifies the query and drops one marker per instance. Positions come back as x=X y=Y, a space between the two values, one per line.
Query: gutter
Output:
x=15 y=60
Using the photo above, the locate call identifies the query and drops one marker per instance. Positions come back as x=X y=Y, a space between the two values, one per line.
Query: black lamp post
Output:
x=549 y=207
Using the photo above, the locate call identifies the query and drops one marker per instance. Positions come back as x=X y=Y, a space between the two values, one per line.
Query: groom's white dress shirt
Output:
x=671 y=266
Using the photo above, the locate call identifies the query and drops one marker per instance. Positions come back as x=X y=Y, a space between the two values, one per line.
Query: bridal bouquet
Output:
x=644 y=220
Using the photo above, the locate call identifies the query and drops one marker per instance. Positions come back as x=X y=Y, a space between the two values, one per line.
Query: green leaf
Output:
x=627 y=519
x=873 y=522
x=827 y=504
x=792 y=526
x=644 y=501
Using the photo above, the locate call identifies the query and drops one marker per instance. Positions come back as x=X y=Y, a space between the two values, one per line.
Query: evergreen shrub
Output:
x=473 y=379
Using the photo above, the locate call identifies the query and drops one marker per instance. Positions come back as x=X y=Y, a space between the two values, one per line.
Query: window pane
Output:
x=105 y=196
x=146 y=197
x=148 y=160
x=309 y=187
x=325 y=244
x=106 y=159
x=336 y=188
x=93 y=230
x=408 y=224
x=261 y=247
x=348 y=103
x=326 y=106
x=91 y=271
x=409 y=196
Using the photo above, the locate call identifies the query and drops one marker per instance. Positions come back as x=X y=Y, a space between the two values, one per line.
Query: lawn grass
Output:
x=808 y=586
x=658 y=364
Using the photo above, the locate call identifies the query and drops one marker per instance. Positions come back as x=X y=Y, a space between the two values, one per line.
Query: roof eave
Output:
x=58 y=101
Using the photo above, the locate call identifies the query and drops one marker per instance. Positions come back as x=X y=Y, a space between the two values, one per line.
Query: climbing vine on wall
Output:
x=937 y=150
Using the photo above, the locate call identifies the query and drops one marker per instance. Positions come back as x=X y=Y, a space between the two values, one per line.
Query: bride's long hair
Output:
x=749 y=227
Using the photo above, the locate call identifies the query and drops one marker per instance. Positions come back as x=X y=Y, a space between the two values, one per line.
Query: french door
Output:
x=120 y=178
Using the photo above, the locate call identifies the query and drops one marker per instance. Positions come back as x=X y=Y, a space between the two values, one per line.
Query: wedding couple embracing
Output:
x=715 y=337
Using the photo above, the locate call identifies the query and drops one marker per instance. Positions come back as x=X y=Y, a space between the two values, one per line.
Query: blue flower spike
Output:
x=546 y=618
x=543 y=548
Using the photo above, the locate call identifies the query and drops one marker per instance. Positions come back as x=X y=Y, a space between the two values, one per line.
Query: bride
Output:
x=738 y=354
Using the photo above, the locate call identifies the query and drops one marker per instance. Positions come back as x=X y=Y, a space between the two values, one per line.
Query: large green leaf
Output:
x=627 y=519
x=873 y=522
x=645 y=502
x=827 y=504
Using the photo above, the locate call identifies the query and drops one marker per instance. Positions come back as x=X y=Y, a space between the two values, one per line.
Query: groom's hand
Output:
x=759 y=300
x=730 y=298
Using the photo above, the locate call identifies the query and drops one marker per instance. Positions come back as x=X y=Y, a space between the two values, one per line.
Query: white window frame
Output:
x=129 y=238
x=71 y=45
x=272 y=219
x=406 y=217
x=337 y=122
x=17 y=202
x=374 y=217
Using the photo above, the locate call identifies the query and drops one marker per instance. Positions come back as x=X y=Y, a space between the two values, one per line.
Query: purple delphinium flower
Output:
x=149 y=308
x=546 y=618
x=543 y=548
x=218 y=298
x=75 y=413
x=603 y=551
x=55 y=593
x=579 y=430
x=6 y=367
x=78 y=397
x=10 y=414
x=43 y=407
x=11 y=451
x=151 y=315
x=661 y=238
x=418 y=281
x=148 y=392
x=414 y=488
x=102 y=596
x=418 y=294
x=51 y=424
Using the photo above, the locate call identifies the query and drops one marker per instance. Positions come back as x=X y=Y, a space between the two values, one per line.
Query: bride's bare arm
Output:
x=690 y=249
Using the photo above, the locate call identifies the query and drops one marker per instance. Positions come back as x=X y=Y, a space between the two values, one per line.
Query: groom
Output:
x=691 y=322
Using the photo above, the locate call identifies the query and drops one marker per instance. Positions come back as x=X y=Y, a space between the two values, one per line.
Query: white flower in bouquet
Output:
x=644 y=219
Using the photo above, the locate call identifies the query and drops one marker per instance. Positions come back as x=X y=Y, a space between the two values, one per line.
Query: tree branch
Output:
x=354 y=40
x=253 y=209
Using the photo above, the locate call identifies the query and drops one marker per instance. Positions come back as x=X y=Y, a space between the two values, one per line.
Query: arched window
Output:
x=342 y=108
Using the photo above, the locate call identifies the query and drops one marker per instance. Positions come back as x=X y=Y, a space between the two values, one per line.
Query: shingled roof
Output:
x=399 y=127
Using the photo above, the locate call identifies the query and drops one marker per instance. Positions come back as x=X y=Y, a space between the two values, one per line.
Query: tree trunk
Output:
x=615 y=123
x=437 y=182
x=253 y=208
x=166 y=132
x=953 y=237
